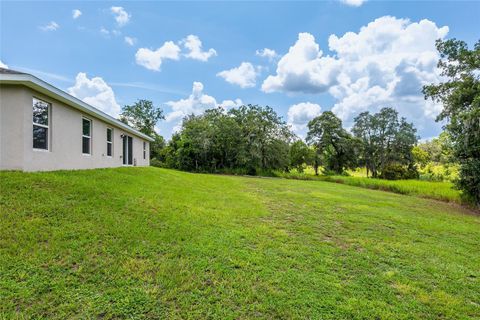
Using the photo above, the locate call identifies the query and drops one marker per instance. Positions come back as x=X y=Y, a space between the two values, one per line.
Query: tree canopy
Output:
x=459 y=95
x=386 y=140
x=251 y=139
x=248 y=138
x=143 y=116
x=333 y=144
x=300 y=155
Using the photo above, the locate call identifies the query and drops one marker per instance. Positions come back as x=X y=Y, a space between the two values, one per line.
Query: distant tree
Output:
x=332 y=142
x=315 y=158
x=420 y=156
x=299 y=155
x=227 y=147
x=405 y=139
x=169 y=154
x=385 y=140
x=385 y=124
x=435 y=159
x=157 y=146
x=142 y=115
x=460 y=97
x=265 y=135
x=248 y=138
x=196 y=144
x=364 y=131
x=439 y=150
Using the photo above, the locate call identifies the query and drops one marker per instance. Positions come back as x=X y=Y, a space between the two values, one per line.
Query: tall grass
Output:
x=443 y=191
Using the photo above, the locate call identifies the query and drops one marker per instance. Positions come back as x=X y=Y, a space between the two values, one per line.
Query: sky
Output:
x=300 y=58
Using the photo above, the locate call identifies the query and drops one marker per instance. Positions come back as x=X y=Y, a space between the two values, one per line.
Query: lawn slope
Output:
x=147 y=243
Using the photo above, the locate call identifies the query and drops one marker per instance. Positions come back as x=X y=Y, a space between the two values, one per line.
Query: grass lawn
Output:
x=148 y=243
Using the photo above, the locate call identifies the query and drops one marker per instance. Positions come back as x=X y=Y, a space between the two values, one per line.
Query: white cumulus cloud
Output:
x=244 y=75
x=76 y=13
x=385 y=63
x=51 y=26
x=152 y=59
x=353 y=3
x=300 y=114
x=3 y=65
x=121 y=16
x=96 y=92
x=194 y=45
x=303 y=69
x=270 y=54
x=227 y=104
x=130 y=40
x=196 y=103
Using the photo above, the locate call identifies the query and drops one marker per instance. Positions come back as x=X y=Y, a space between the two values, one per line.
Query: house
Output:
x=44 y=128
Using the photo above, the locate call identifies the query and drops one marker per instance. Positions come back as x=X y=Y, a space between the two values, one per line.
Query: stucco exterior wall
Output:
x=65 y=136
x=12 y=126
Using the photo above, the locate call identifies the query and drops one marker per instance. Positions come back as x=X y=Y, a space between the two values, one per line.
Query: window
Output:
x=109 y=142
x=86 y=136
x=144 y=150
x=40 y=124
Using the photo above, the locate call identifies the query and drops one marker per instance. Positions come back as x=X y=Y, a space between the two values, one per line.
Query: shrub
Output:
x=398 y=172
x=156 y=163
x=439 y=172
x=327 y=172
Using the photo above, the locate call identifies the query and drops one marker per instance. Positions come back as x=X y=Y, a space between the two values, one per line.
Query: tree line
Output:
x=253 y=139
x=248 y=139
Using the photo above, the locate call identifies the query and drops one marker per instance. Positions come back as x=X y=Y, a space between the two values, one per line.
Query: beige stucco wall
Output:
x=65 y=136
x=11 y=127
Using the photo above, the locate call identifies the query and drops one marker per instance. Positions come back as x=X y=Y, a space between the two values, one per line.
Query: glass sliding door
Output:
x=127 y=150
x=130 y=150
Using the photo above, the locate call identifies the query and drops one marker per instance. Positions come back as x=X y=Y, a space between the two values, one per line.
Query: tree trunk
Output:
x=374 y=171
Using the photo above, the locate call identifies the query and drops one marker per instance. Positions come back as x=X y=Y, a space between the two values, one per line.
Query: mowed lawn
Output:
x=148 y=243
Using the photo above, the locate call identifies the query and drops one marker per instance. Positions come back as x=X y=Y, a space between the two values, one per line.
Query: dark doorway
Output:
x=127 y=150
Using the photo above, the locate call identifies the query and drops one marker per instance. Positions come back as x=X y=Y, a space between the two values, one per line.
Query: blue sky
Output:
x=88 y=54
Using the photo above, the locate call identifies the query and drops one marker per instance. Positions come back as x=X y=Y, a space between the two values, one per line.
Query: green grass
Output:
x=148 y=243
x=443 y=191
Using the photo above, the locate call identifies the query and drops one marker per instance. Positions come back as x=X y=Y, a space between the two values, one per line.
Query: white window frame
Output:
x=47 y=126
x=89 y=137
x=144 y=150
x=110 y=142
